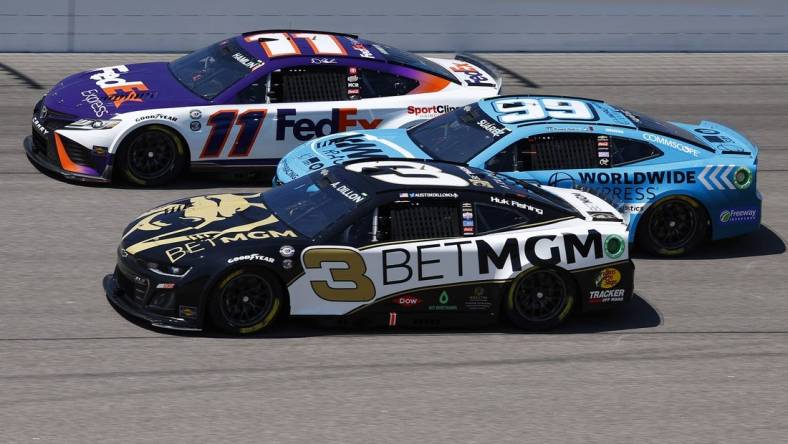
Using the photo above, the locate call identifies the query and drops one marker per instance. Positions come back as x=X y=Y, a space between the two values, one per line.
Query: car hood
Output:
x=104 y=92
x=190 y=228
x=345 y=147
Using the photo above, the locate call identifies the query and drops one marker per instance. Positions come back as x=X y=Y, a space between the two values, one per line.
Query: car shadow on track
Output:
x=637 y=314
x=190 y=181
x=206 y=180
x=762 y=242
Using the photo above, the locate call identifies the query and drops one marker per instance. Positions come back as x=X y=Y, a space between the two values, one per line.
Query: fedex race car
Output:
x=377 y=243
x=242 y=102
x=676 y=183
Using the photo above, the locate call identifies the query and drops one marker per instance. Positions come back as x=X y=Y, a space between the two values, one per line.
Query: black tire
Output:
x=152 y=156
x=673 y=226
x=247 y=300
x=540 y=299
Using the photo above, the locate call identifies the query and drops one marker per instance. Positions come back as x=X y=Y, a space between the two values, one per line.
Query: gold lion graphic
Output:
x=202 y=211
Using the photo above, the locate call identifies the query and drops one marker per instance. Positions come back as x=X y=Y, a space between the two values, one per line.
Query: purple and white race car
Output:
x=242 y=102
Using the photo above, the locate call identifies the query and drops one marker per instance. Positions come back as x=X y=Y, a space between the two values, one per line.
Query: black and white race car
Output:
x=391 y=242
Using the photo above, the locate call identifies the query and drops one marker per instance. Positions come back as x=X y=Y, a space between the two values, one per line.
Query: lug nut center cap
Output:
x=246 y=299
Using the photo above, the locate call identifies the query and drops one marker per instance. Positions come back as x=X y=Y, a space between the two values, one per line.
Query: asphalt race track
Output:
x=700 y=356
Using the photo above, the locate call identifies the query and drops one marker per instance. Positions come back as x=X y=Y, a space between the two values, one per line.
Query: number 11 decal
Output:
x=221 y=123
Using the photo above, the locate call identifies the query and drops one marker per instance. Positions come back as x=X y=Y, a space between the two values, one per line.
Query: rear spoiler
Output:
x=483 y=64
x=743 y=145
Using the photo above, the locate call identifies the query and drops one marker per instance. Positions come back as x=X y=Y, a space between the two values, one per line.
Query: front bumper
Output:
x=119 y=299
x=52 y=152
x=163 y=302
x=40 y=158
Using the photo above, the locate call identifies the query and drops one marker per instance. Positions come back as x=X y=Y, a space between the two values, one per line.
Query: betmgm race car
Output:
x=242 y=102
x=676 y=184
x=375 y=243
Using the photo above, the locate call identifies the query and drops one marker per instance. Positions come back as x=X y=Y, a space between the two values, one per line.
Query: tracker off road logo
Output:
x=117 y=89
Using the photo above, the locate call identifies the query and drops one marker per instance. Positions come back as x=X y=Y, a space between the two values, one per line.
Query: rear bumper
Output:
x=736 y=217
x=605 y=286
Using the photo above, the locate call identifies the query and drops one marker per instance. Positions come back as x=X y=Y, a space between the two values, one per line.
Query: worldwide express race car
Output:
x=390 y=243
x=242 y=102
x=676 y=183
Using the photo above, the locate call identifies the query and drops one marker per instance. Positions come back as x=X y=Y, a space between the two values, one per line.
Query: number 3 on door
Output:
x=346 y=268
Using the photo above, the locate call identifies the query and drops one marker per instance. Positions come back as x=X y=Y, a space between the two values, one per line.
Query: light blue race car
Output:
x=678 y=184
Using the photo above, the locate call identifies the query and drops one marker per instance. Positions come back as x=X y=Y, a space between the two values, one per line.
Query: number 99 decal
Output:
x=346 y=268
x=517 y=110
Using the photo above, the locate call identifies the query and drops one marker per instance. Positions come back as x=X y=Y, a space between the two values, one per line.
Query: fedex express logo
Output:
x=341 y=120
x=472 y=75
x=118 y=89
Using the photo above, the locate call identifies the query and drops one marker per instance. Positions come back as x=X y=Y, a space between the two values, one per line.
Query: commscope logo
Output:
x=671 y=143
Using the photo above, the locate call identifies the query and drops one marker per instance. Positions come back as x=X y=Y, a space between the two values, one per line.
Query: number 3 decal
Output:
x=408 y=173
x=524 y=110
x=346 y=267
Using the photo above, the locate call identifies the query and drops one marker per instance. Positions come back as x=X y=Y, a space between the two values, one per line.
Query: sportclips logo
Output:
x=116 y=88
x=430 y=110
x=342 y=119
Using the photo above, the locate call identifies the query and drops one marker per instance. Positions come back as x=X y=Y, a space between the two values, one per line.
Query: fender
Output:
x=634 y=218
x=135 y=125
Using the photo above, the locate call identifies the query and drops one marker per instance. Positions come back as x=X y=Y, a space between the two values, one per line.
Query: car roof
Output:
x=364 y=49
x=605 y=114
x=480 y=180
x=354 y=49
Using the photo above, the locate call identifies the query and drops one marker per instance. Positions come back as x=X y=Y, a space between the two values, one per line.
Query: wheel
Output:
x=152 y=156
x=672 y=226
x=246 y=301
x=540 y=299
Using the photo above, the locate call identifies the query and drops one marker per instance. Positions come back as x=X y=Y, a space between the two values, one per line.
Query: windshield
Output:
x=402 y=57
x=652 y=125
x=209 y=71
x=458 y=136
x=313 y=203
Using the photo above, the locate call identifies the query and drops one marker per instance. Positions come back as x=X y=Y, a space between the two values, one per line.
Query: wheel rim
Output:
x=151 y=155
x=246 y=300
x=672 y=224
x=540 y=296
